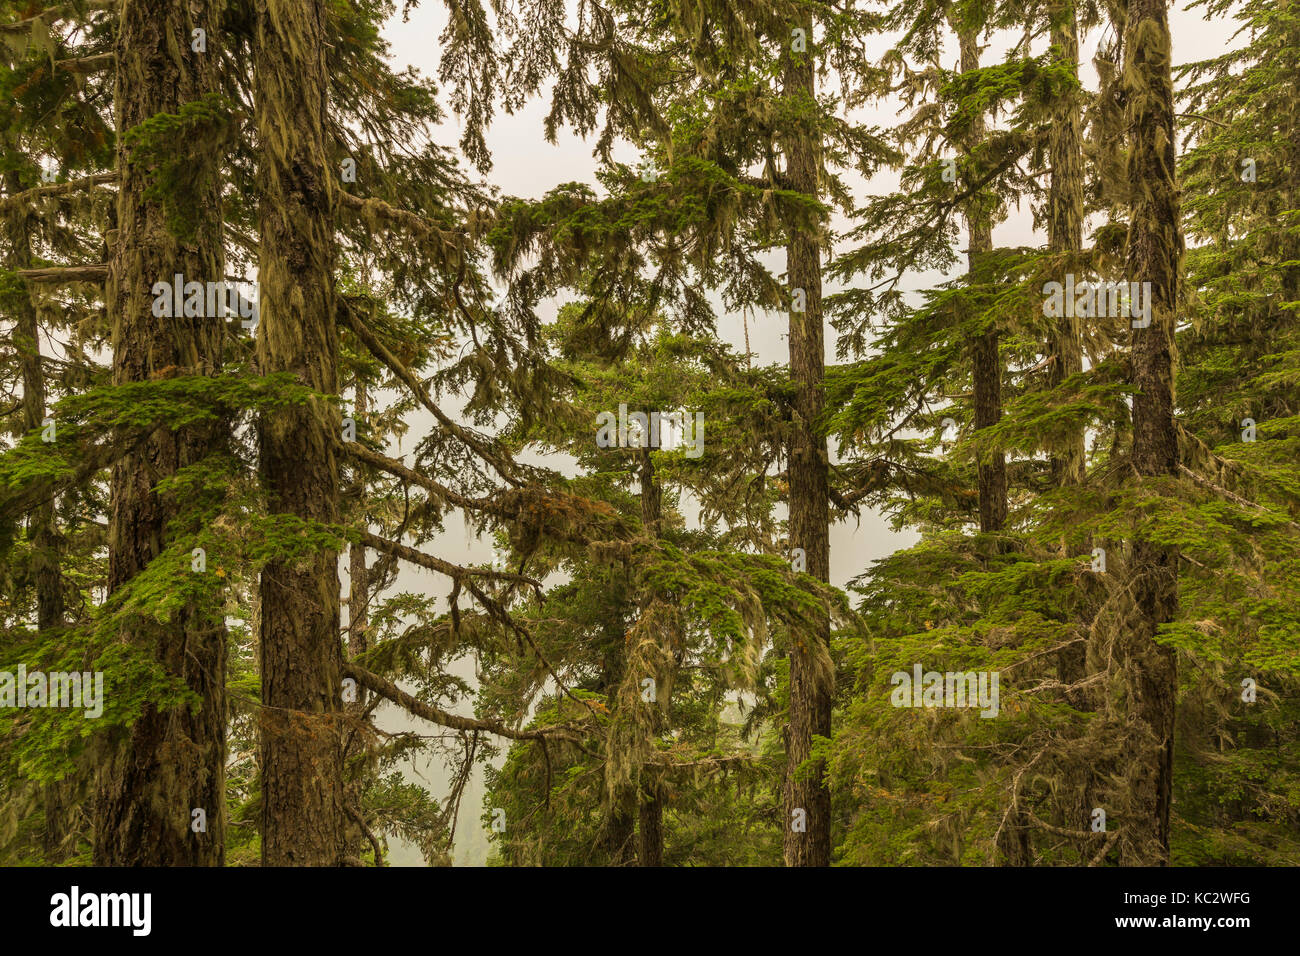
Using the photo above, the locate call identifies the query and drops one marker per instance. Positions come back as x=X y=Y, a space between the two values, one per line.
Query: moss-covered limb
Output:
x=450 y=242
x=454 y=571
x=63 y=275
x=548 y=512
x=390 y=691
x=57 y=13
x=480 y=445
x=86 y=65
x=46 y=190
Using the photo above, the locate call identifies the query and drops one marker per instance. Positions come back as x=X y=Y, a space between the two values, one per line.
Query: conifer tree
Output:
x=174 y=762
x=1154 y=255
x=302 y=773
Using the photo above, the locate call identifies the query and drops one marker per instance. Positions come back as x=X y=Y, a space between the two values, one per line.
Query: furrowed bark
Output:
x=302 y=747
x=1154 y=254
x=810 y=679
x=172 y=762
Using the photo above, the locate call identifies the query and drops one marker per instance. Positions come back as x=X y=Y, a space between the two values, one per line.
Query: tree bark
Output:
x=985 y=360
x=650 y=812
x=172 y=762
x=1154 y=254
x=302 y=659
x=358 y=622
x=47 y=578
x=1065 y=227
x=810 y=678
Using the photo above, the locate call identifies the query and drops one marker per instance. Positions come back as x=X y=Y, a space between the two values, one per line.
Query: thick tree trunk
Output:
x=1154 y=255
x=173 y=762
x=807 y=797
x=1065 y=227
x=302 y=749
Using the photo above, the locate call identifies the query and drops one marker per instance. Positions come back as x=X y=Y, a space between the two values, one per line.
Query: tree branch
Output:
x=503 y=466
x=85 y=65
x=62 y=275
x=55 y=189
x=453 y=571
x=390 y=691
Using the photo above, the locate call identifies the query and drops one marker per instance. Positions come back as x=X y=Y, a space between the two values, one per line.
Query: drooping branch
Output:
x=509 y=506
x=373 y=840
x=503 y=465
x=453 y=571
x=418 y=708
x=23 y=498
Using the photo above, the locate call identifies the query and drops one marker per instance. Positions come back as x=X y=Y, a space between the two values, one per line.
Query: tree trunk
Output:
x=1154 y=255
x=56 y=838
x=302 y=756
x=358 y=622
x=650 y=812
x=174 y=761
x=1065 y=228
x=810 y=673
x=985 y=360
x=650 y=826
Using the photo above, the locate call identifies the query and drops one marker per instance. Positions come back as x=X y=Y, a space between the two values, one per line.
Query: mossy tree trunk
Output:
x=1154 y=254
x=1065 y=225
x=809 y=716
x=650 y=812
x=42 y=530
x=986 y=362
x=301 y=649
x=171 y=762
